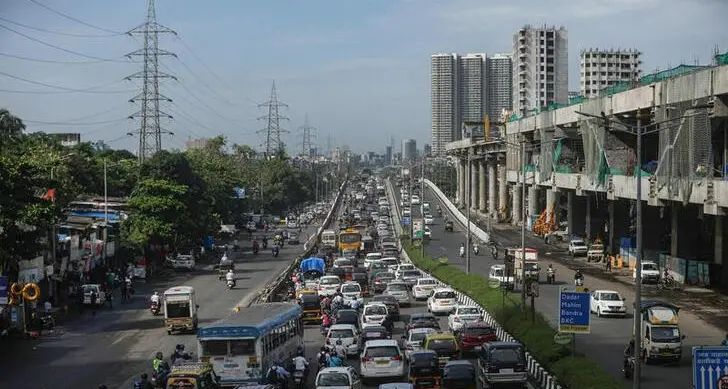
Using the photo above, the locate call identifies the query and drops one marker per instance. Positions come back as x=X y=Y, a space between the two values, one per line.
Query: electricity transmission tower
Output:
x=150 y=130
x=308 y=133
x=273 y=130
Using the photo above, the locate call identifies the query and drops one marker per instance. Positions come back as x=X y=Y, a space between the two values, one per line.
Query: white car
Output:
x=429 y=219
x=415 y=338
x=292 y=224
x=350 y=290
x=406 y=212
x=428 y=232
x=578 y=247
x=338 y=377
x=607 y=303
x=251 y=226
x=650 y=273
x=463 y=314
x=381 y=359
x=347 y=334
x=442 y=300
x=415 y=200
x=341 y=262
x=373 y=314
x=402 y=268
x=423 y=287
x=329 y=285
x=185 y=262
x=370 y=258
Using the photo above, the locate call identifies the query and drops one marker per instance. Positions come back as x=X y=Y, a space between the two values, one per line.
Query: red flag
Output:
x=50 y=195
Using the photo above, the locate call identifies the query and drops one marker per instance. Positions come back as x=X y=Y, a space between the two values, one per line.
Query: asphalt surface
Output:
x=605 y=344
x=116 y=346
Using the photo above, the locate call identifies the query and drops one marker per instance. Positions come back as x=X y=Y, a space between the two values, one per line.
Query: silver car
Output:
x=410 y=277
x=400 y=291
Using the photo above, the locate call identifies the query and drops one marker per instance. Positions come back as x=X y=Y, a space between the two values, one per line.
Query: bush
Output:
x=572 y=371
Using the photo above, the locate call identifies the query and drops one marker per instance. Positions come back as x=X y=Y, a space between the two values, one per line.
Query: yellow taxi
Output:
x=445 y=345
x=303 y=292
x=193 y=375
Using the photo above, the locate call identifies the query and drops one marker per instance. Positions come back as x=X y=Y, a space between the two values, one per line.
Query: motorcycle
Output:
x=265 y=244
x=628 y=367
x=154 y=308
x=462 y=252
x=476 y=249
x=48 y=322
x=230 y=284
x=579 y=281
x=551 y=276
x=439 y=212
x=276 y=250
x=299 y=379
x=256 y=248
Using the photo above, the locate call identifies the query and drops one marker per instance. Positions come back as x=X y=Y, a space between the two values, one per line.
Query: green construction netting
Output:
x=530 y=168
x=722 y=59
x=650 y=79
x=576 y=99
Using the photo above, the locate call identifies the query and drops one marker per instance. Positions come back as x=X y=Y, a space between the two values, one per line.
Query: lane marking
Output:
x=121 y=337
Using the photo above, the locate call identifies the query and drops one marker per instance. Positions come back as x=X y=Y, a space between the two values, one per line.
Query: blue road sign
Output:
x=710 y=367
x=406 y=221
x=574 y=313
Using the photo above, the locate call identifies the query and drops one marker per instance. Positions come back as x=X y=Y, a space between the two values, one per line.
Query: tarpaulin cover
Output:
x=317 y=264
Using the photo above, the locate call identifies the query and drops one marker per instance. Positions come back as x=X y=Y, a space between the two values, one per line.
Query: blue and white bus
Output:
x=242 y=346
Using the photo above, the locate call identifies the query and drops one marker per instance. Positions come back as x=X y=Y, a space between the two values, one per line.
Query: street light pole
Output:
x=467 y=226
x=636 y=381
x=106 y=210
x=523 y=224
x=422 y=246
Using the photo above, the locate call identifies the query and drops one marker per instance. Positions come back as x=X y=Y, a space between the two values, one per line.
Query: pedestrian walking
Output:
x=608 y=265
x=94 y=302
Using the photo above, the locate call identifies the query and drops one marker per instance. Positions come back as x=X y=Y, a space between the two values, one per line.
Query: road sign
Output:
x=710 y=367
x=406 y=221
x=418 y=227
x=574 y=313
x=563 y=338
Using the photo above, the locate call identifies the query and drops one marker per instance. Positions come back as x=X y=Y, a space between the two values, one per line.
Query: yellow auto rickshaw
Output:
x=311 y=305
x=306 y=292
x=424 y=370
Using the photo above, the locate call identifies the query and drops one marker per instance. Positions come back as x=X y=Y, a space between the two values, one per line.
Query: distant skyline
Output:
x=359 y=69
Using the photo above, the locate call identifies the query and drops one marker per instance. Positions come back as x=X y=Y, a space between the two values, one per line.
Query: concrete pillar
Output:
x=552 y=204
x=718 y=249
x=462 y=182
x=473 y=184
x=481 y=186
x=502 y=188
x=674 y=213
x=458 y=188
x=612 y=247
x=517 y=203
x=570 y=212
x=492 y=203
x=532 y=201
x=588 y=231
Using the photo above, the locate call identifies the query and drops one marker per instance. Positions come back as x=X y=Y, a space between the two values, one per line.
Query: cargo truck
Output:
x=530 y=262
x=661 y=336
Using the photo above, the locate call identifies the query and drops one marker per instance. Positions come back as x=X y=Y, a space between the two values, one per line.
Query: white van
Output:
x=381 y=359
x=347 y=334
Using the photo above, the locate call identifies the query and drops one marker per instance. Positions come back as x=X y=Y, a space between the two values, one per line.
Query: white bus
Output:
x=328 y=238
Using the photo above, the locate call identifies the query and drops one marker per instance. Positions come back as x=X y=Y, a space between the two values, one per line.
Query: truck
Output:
x=530 y=262
x=661 y=336
x=595 y=252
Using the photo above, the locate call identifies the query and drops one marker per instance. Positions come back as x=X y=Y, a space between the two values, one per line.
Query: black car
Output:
x=374 y=333
x=347 y=316
x=293 y=238
x=380 y=283
x=391 y=303
x=423 y=320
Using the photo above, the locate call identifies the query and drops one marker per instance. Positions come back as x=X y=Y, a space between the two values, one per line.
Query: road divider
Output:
x=275 y=286
x=507 y=318
x=462 y=219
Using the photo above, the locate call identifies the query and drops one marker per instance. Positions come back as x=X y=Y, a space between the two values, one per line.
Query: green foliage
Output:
x=576 y=372
x=157 y=209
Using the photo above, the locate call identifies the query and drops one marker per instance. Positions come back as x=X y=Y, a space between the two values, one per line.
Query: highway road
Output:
x=116 y=346
x=608 y=337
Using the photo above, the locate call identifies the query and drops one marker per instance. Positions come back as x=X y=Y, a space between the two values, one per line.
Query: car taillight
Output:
x=397 y=358
x=520 y=368
x=366 y=359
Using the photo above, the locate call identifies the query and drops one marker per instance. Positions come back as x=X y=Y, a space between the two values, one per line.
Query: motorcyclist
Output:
x=340 y=349
x=322 y=358
x=158 y=359
x=256 y=246
x=354 y=303
x=179 y=353
x=628 y=353
x=476 y=248
x=277 y=375
x=335 y=361
x=264 y=240
x=300 y=363
x=276 y=248
x=462 y=249
x=338 y=301
x=143 y=383
x=155 y=299
x=578 y=275
x=326 y=304
x=725 y=341
x=230 y=276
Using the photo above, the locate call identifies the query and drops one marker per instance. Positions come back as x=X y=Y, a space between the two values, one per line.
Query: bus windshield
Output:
x=350 y=238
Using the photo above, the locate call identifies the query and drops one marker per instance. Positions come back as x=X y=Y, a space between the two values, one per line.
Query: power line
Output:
x=75 y=124
x=57 y=32
x=59 y=13
x=308 y=133
x=82 y=118
x=63 y=88
x=150 y=129
x=189 y=49
x=50 y=61
x=273 y=129
x=59 y=47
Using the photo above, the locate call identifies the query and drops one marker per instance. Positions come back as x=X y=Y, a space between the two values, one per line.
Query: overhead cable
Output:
x=57 y=32
x=59 y=47
x=75 y=124
x=52 y=61
x=59 y=13
x=63 y=88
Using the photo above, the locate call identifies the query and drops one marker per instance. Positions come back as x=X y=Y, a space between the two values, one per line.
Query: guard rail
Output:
x=474 y=229
x=537 y=373
x=309 y=248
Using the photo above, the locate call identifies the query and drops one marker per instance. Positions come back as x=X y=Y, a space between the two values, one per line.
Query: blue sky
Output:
x=358 y=68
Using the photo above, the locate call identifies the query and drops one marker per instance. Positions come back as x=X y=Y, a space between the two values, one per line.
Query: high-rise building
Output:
x=443 y=99
x=388 y=155
x=499 y=71
x=599 y=69
x=466 y=88
x=409 y=150
x=540 y=68
x=427 y=150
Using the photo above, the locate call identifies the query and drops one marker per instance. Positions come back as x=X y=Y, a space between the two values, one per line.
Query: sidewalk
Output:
x=708 y=305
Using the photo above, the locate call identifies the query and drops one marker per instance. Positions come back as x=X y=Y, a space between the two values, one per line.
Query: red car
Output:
x=472 y=336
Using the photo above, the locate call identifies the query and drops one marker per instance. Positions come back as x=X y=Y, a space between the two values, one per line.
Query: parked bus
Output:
x=350 y=239
x=242 y=347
